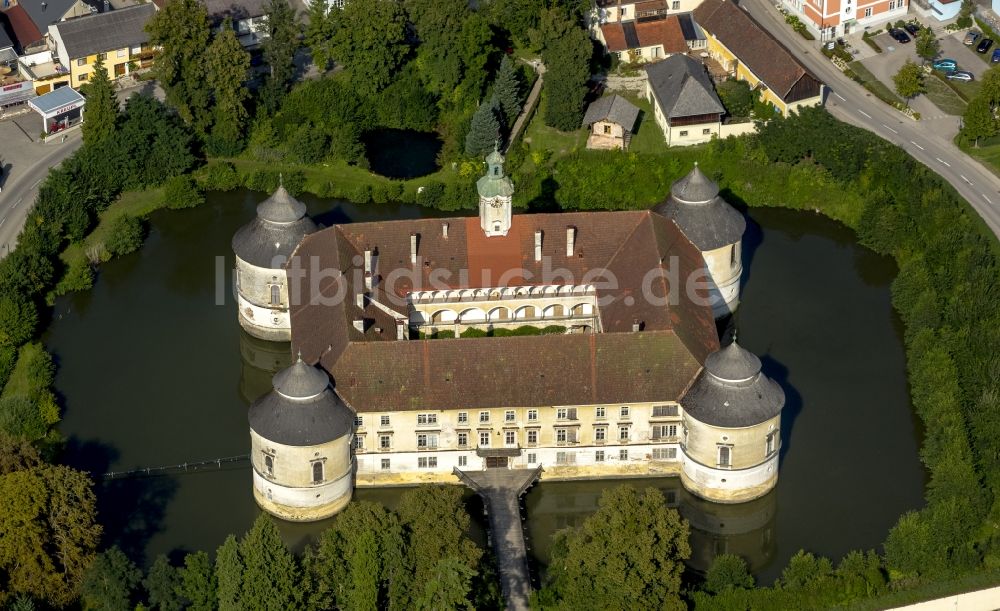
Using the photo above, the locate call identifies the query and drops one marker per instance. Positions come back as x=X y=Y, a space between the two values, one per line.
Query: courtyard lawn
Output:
x=988 y=152
x=944 y=97
x=647 y=137
x=539 y=136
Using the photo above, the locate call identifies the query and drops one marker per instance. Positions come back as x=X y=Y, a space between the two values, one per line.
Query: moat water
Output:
x=154 y=372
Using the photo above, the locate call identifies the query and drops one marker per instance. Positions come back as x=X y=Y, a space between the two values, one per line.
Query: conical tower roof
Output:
x=732 y=392
x=704 y=217
x=302 y=410
x=270 y=238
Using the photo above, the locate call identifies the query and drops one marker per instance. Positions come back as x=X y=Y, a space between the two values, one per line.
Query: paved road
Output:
x=19 y=192
x=927 y=141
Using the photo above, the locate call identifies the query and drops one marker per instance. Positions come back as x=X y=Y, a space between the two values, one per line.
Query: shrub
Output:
x=552 y=329
x=8 y=359
x=220 y=177
x=431 y=195
x=182 y=192
x=474 y=332
x=79 y=276
x=21 y=418
x=360 y=194
x=125 y=235
x=18 y=319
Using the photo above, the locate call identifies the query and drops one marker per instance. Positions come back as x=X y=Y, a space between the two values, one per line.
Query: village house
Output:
x=643 y=40
x=249 y=19
x=684 y=101
x=117 y=37
x=749 y=52
x=828 y=19
x=610 y=120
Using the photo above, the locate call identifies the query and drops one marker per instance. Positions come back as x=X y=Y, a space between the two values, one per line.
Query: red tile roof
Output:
x=25 y=30
x=755 y=47
x=647 y=33
x=375 y=372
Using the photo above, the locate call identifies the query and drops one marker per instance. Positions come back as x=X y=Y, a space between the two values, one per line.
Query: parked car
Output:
x=945 y=65
x=899 y=35
x=912 y=28
x=971 y=38
x=960 y=75
x=996 y=56
x=984 y=45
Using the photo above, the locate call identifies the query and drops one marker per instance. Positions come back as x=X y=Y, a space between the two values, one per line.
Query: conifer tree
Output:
x=101 y=111
x=198 y=582
x=270 y=572
x=227 y=65
x=484 y=130
x=229 y=575
x=279 y=52
x=111 y=582
x=162 y=584
x=319 y=34
x=507 y=89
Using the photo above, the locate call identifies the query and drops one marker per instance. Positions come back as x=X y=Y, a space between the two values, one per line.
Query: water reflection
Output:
x=259 y=361
x=746 y=529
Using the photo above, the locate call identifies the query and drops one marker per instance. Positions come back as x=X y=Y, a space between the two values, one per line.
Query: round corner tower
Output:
x=495 y=194
x=300 y=446
x=732 y=422
x=262 y=247
x=716 y=229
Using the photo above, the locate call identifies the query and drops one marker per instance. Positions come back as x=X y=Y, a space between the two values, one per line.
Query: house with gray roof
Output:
x=684 y=101
x=118 y=38
x=610 y=120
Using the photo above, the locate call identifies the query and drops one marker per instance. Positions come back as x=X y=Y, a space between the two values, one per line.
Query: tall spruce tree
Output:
x=270 y=572
x=507 y=89
x=227 y=66
x=483 y=131
x=566 y=54
x=229 y=575
x=198 y=582
x=319 y=34
x=181 y=31
x=101 y=112
x=279 y=52
x=162 y=585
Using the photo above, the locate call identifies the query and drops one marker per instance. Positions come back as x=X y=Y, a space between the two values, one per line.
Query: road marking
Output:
x=17 y=202
x=889 y=128
x=3 y=221
x=943 y=161
x=986 y=198
x=842 y=99
x=965 y=179
x=916 y=145
x=864 y=113
x=36 y=183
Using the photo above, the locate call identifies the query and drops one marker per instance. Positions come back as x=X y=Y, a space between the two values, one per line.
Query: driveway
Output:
x=886 y=64
x=967 y=58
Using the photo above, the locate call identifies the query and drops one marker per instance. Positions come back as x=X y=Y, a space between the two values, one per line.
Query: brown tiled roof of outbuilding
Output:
x=752 y=44
x=25 y=30
x=374 y=371
x=665 y=31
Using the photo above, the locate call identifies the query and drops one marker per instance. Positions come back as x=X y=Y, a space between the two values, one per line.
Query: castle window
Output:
x=484 y=417
x=510 y=438
x=607 y=129
x=560 y=435
x=463 y=440
x=532 y=438
x=484 y=439
x=532 y=459
x=664 y=453
x=622 y=454
x=275 y=295
x=599 y=456
x=664 y=410
x=426 y=419
x=463 y=417
x=427 y=462
x=383 y=421
x=385 y=442
x=318 y=472
x=623 y=433
x=385 y=464
x=684 y=134
x=623 y=412
x=359 y=421
x=599 y=413
x=463 y=461
x=532 y=415
x=661 y=431
x=725 y=456
x=359 y=442
x=600 y=434
x=676 y=5
x=770 y=442
x=509 y=416
x=269 y=464
x=706 y=131
x=427 y=441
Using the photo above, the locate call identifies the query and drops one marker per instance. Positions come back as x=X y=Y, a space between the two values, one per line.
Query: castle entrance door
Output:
x=496 y=462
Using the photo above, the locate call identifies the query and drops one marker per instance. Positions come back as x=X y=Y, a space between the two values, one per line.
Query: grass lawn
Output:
x=944 y=97
x=18 y=383
x=539 y=136
x=873 y=85
x=647 y=137
x=965 y=90
x=988 y=152
x=132 y=203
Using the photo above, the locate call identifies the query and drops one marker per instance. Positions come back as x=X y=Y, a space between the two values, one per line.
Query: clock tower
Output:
x=495 y=191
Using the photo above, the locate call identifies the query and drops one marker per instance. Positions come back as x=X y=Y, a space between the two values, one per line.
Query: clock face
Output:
x=496 y=204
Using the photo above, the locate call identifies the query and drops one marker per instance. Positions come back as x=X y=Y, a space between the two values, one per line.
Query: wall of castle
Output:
x=725 y=265
x=540 y=310
x=262 y=297
x=729 y=485
x=264 y=323
x=748 y=446
x=303 y=504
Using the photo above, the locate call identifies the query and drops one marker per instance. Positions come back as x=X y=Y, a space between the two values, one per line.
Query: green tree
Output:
x=927 y=45
x=181 y=31
x=319 y=34
x=101 y=111
x=979 y=121
x=965 y=14
x=48 y=532
x=370 y=41
x=507 y=90
x=567 y=55
x=909 y=81
x=279 y=52
x=18 y=319
x=163 y=586
x=627 y=555
x=229 y=571
x=484 y=130
x=125 y=235
x=197 y=583
x=154 y=142
x=21 y=417
x=227 y=65
x=111 y=582
x=17 y=454
x=737 y=97
x=728 y=572
x=271 y=573
x=804 y=569
x=449 y=586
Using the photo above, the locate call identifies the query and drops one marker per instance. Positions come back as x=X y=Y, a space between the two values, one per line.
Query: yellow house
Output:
x=117 y=37
x=751 y=54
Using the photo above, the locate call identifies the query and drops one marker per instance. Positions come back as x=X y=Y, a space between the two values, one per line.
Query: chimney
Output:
x=444 y=230
x=400 y=329
x=368 y=260
x=570 y=240
x=413 y=247
x=359 y=325
x=360 y=300
x=369 y=281
x=636 y=326
x=538 y=245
